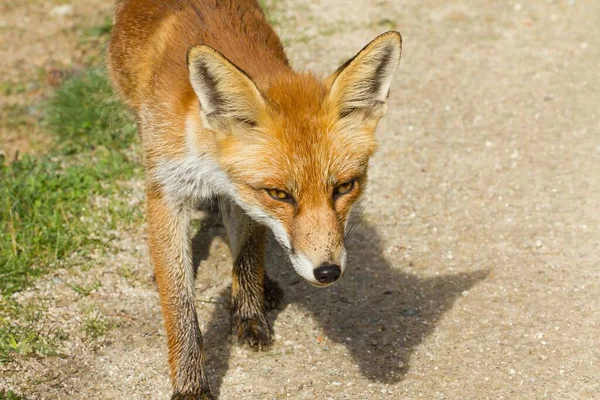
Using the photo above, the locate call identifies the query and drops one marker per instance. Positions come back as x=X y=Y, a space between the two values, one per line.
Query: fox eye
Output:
x=344 y=188
x=279 y=195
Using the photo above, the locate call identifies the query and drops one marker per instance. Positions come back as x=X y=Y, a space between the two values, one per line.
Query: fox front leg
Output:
x=252 y=291
x=170 y=250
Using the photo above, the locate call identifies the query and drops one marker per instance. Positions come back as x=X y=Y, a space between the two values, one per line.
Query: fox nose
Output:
x=328 y=273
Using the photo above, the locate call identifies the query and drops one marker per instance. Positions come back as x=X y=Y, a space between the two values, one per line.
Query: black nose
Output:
x=328 y=273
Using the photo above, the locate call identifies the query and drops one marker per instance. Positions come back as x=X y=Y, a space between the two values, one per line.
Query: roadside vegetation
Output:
x=10 y=395
x=59 y=206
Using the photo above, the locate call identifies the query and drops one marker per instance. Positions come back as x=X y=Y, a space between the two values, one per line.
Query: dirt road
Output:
x=475 y=273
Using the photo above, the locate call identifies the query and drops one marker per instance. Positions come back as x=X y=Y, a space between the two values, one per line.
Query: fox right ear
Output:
x=225 y=92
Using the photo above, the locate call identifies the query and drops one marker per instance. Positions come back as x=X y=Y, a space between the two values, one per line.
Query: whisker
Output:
x=356 y=217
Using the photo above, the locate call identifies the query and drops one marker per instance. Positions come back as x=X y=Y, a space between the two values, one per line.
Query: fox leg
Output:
x=251 y=290
x=170 y=250
x=273 y=294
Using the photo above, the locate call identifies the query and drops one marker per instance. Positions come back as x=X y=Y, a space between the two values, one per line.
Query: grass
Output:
x=47 y=211
x=10 y=395
x=57 y=208
x=84 y=115
x=96 y=326
x=16 y=339
x=14 y=115
x=18 y=334
x=85 y=290
x=8 y=88
x=44 y=204
x=98 y=32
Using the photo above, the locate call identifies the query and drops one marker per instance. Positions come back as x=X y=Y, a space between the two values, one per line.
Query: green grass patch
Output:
x=50 y=206
x=8 y=88
x=18 y=334
x=48 y=212
x=99 y=32
x=16 y=339
x=10 y=395
x=58 y=208
x=96 y=326
x=84 y=114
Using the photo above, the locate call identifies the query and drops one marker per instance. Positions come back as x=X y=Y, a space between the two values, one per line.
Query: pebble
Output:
x=63 y=10
x=410 y=312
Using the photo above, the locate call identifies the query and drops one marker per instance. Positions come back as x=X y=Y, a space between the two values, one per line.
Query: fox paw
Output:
x=273 y=295
x=255 y=332
x=201 y=396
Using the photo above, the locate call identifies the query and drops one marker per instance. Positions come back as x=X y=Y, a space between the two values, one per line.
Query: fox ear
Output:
x=225 y=92
x=363 y=82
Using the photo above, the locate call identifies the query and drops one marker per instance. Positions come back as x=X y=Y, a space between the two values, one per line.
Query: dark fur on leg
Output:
x=201 y=396
x=273 y=294
x=248 y=317
x=249 y=323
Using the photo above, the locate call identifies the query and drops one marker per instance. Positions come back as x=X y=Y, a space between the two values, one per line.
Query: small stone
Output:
x=63 y=10
x=410 y=312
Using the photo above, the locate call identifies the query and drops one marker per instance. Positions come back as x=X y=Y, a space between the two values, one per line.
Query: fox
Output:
x=223 y=116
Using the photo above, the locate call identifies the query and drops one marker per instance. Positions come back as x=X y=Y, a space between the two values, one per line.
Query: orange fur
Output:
x=221 y=114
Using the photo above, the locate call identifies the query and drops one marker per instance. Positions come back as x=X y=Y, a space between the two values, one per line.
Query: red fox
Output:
x=221 y=114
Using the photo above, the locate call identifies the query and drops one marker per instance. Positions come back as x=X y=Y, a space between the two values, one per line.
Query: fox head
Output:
x=297 y=150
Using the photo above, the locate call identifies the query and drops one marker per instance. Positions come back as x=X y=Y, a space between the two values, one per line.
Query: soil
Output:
x=42 y=42
x=475 y=271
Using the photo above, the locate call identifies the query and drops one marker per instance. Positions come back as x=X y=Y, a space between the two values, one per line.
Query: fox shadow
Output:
x=379 y=313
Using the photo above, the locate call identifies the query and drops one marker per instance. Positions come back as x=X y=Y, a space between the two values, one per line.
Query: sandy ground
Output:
x=41 y=41
x=475 y=273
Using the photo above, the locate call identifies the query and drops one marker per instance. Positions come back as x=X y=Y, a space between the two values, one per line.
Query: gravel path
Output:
x=475 y=271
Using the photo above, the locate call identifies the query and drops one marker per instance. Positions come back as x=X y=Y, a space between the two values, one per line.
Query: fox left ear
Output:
x=363 y=82
x=225 y=92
